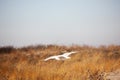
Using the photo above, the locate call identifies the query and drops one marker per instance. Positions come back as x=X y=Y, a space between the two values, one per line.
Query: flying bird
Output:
x=60 y=57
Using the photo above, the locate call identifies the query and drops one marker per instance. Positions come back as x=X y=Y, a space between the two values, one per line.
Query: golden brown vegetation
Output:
x=27 y=63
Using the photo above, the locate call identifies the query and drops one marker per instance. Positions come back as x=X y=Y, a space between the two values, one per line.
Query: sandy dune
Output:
x=113 y=75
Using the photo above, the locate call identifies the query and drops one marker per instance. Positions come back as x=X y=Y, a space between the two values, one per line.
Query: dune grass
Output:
x=89 y=63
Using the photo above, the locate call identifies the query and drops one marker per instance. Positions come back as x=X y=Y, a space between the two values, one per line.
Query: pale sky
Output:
x=30 y=22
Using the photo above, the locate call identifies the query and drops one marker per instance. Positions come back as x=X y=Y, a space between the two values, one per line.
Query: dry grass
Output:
x=89 y=63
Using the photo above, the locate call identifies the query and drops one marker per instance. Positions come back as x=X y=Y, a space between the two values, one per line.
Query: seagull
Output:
x=58 y=57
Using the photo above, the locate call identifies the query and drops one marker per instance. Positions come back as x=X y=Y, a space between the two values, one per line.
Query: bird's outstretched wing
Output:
x=68 y=53
x=52 y=57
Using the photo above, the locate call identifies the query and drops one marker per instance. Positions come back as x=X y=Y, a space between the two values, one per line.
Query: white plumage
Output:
x=58 y=57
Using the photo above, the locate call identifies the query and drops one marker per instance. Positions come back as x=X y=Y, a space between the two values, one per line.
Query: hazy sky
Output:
x=27 y=22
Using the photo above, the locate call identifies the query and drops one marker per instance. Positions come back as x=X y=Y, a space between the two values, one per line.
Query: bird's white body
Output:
x=58 y=57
